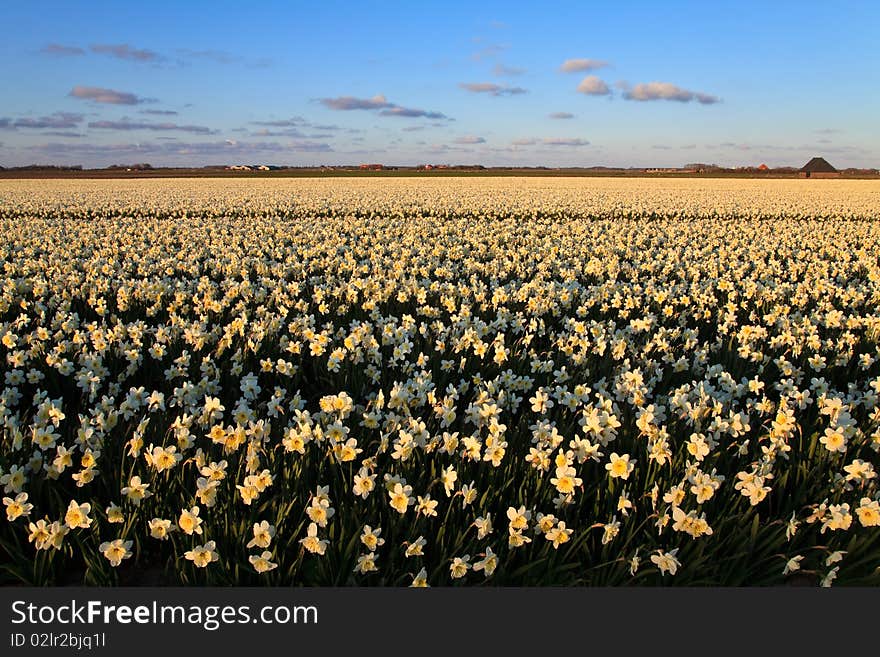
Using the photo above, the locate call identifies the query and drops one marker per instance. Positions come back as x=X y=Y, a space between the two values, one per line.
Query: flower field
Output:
x=457 y=381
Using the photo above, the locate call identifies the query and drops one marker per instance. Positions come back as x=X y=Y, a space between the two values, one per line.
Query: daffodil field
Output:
x=456 y=381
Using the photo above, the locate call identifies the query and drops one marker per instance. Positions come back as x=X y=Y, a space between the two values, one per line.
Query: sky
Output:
x=404 y=83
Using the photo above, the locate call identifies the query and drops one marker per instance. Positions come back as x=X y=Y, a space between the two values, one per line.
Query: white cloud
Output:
x=580 y=65
x=124 y=51
x=564 y=141
x=379 y=102
x=56 y=121
x=470 y=139
x=593 y=86
x=647 y=91
x=347 y=103
x=127 y=125
x=491 y=88
x=411 y=112
x=551 y=141
x=109 y=96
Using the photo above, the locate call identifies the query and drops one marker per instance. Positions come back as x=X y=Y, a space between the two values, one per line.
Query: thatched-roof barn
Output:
x=818 y=168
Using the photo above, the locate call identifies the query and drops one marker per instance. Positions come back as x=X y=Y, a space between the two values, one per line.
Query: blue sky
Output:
x=646 y=84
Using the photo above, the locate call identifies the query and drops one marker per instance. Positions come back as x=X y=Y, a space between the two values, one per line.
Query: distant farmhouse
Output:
x=818 y=168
